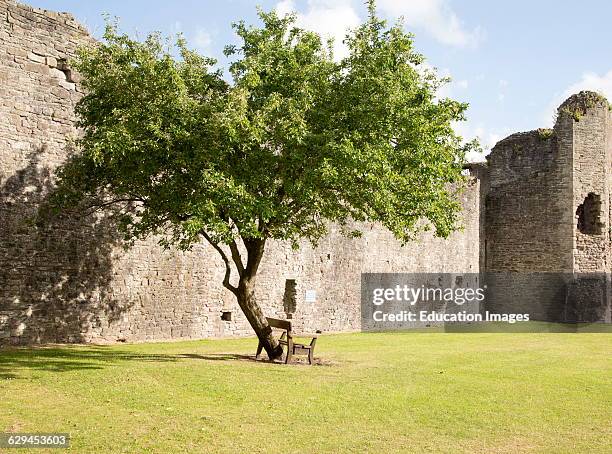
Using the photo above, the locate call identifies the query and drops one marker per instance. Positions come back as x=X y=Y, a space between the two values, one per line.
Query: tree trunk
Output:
x=256 y=318
x=245 y=292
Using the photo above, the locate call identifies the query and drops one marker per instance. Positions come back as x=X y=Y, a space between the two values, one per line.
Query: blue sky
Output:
x=512 y=61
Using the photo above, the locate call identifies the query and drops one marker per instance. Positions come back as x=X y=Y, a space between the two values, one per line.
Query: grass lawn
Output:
x=383 y=392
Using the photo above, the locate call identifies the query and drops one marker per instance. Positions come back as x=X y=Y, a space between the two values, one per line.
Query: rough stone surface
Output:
x=540 y=183
x=73 y=282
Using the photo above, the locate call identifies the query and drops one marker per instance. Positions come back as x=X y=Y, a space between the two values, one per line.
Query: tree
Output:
x=295 y=141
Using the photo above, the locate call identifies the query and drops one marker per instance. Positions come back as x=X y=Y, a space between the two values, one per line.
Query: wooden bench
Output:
x=286 y=339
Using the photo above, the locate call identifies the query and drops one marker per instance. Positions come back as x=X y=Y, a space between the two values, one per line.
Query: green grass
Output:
x=383 y=392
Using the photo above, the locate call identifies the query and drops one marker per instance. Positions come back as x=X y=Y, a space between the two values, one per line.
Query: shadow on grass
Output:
x=221 y=357
x=15 y=361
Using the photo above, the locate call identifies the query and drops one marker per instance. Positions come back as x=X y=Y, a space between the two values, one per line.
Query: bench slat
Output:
x=276 y=323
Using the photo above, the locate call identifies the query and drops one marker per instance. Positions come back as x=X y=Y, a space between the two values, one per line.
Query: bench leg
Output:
x=259 y=349
x=289 y=354
x=310 y=355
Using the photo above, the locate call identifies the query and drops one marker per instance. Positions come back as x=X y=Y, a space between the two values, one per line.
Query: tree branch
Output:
x=99 y=206
x=232 y=245
x=228 y=268
x=236 y=257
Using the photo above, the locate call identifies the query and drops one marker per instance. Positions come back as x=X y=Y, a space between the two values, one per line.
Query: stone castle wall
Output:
x=591 y=296
x=547 y=219
x=537 y=218
x=528 y=224
x=592 y=163
x=71 y=281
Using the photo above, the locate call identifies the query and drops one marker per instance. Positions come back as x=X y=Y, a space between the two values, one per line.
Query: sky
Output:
x=513 y=61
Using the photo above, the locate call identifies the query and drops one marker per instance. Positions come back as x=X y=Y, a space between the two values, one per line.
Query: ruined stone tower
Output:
x=548 y=216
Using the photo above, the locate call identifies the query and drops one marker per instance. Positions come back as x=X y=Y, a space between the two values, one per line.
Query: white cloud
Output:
x=455 y=89
x=203 y=41
x=329 y=18
x=452 y=89
x=503 y=85
x=486 y=136
x=436 y=17
x=590 y=81
x=285 y=7
x=176 y=27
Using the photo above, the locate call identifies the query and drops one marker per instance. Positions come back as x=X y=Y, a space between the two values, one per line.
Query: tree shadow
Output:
x=55 y=274
x=14 y=361
x=220 y=357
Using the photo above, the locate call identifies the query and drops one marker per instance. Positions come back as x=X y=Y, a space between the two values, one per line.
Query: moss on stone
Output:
x=545 y=133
